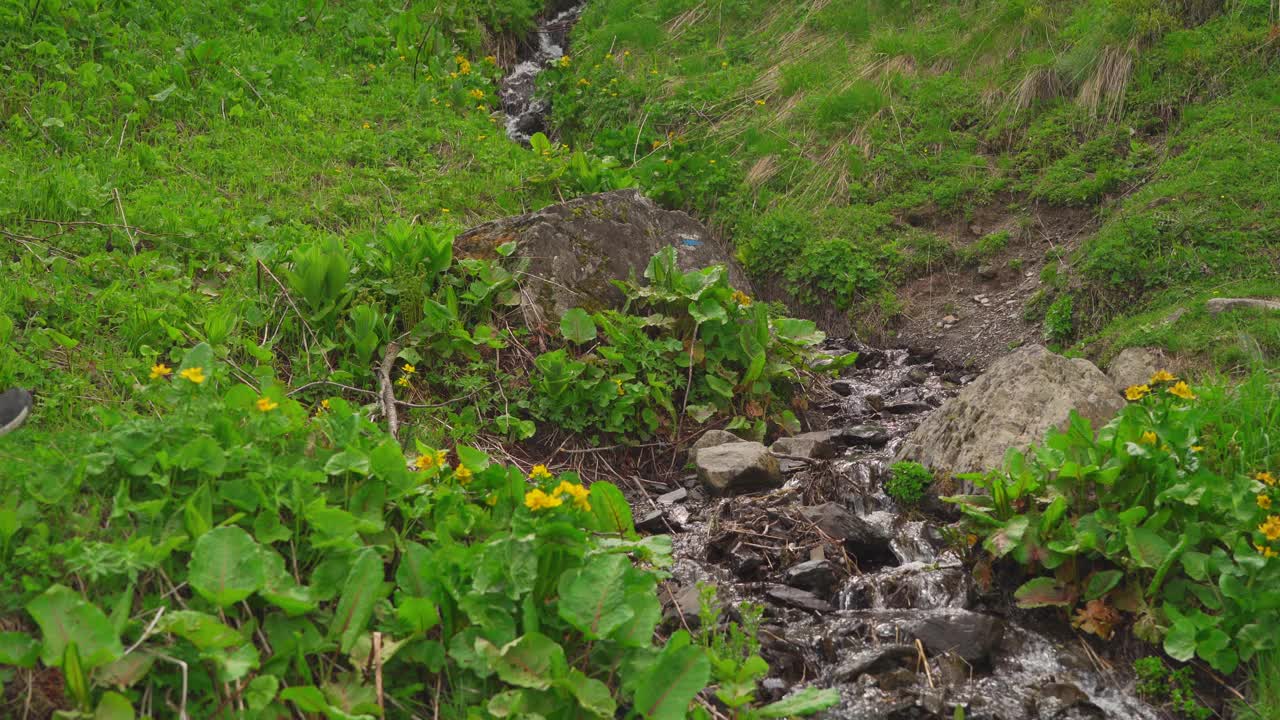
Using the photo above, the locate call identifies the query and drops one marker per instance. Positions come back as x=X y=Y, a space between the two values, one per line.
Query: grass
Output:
x=875 y=123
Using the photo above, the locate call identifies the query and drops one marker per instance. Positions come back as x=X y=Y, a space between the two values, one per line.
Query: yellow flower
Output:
x=453 y=76
x=464 y=65
x=372 y=66
x=656 y=144
x=195 y=375
x=476 y=93
x=324 y=404
x=160 y=370
x=367 y=126
x=724 y=63
x=619 y=384
x=537 y=500
x=1162 y=376
x=266 y=404
x=408 y=369
x=583 y=81
x=403 y=58
x=430 y=459
x=564 y=61
x=1265 y=551
x=491 y=501
x=741 y=298
x=403 y=381
x=577 y=492
x=463 y=475
x=1271 y=528
x=1136 y=392
x=1197 y=448
x=626 y=53
x=608 y=56
x=539 y=472
x=760 y=102
x=1264 y=502
x=435 y=101
x=481 y=137
x=444 y=211
x=491 y=59
x=1148 y=438
x=1265 y=477
x=1181 y=390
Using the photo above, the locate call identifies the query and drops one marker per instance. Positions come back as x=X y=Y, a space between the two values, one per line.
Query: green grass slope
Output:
x=831 y=139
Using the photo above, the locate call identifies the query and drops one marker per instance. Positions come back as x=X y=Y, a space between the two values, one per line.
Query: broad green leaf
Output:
x=593 y=597
x=1180 y=642
x=346 y=461
x=204 y=631
x=261 y=691
x=226 y=566
x=204 y=455
x=114 y=706
x=1146 y=547
x=64 y=617
x=18 y=649
x=355 y=606
x=592 y=695
x=577 y=326
x=532 y=660
x=1101 y=583
x=611 y=513
x=73 y=676
x=418 y=613
x=806 y=702
x=675 y=678
x=1041 y=592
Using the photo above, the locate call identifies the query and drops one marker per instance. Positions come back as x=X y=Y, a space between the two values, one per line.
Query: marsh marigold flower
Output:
x=1182 y=390
x=540 y=472
x=1134 y=393
x=430 y=459
x=1265 y=551
x=1148 y=438
x=195 y=375
x=1162 y=376
x=1271 y=528
x=537 y=500
x=476 y=93
x=408 y=369
x=1264 y=502
x=741 y=298
x=760 y=102
x=266 y=404
x=403 y=381
x=577 y=492
x=160 y=370
x=463 y=475
x=1265 y=477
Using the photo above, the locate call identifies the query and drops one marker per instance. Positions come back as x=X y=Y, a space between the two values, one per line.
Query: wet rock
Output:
x=895 y=680
x=815 y=445
x=843 y=388
x=711 y=438
x=653 y=523
x=1011 y=405
x=1220 y=305
x=870 y=435
x=875 y=401
x=673 y=497
x=883 y=658
x=864 y=541
x=578 y=248
x=681 y=606
x=738 y=467
x=774 y=688
x=747 y=564
x=1134 y=366
x=917 y=375
x=1056 y=698
x=907 y=407
x=969 y=635
x=797 y=598
x=815 y=575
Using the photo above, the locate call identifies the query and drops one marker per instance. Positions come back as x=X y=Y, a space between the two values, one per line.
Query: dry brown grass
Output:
x=1103 y=91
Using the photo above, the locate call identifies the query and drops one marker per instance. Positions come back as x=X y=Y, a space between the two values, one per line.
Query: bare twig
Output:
x=925 y=659
x=146 y=632
x=388 y=395
x=124 y=221
x=377 y=670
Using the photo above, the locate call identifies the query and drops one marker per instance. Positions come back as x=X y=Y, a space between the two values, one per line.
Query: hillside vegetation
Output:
x=839 y=144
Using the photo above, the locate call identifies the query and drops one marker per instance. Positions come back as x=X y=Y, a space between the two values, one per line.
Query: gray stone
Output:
x=969 y=635
x=872 y=435
x=917 y=375
x=673 y=497
x=1021 y=396
x=1134 y=366
x=815 y=445
x=877 y=659
x=794 y=597
x=988 y=272
x=843 y=388
x=577 y=248
x=711 y=438
x=653 y=523
x=866 y=542
x=738 y=467
x=815 y=575
x=1220 y=305
x=682 y=606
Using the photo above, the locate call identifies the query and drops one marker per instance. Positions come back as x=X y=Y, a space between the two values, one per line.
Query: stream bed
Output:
x=872 y=599
x=545 y=45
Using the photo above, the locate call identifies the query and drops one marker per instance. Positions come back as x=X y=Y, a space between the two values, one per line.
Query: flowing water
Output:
x=526 y=113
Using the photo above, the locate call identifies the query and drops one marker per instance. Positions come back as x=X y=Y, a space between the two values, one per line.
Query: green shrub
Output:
x=907 y=482
x=1168 y=512
x=1172 y=688
x=1059 y=320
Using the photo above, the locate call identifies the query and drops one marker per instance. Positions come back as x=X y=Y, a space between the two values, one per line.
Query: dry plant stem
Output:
x=377 y=670
x=925 y=660
x=388 y=395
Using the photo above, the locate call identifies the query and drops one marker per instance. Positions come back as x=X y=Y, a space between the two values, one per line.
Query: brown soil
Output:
x=983 y=331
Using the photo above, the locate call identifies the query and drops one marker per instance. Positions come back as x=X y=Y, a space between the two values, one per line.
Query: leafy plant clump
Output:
x=277 y=557
x=1172 y=688
x=1168 y=516
x=907 y=482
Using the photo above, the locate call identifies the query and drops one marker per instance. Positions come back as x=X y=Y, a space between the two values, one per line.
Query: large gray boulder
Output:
x=1011 y=405
x=1221 y=305
x=1134 y=366
x=577 y=248
x=738 y=467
